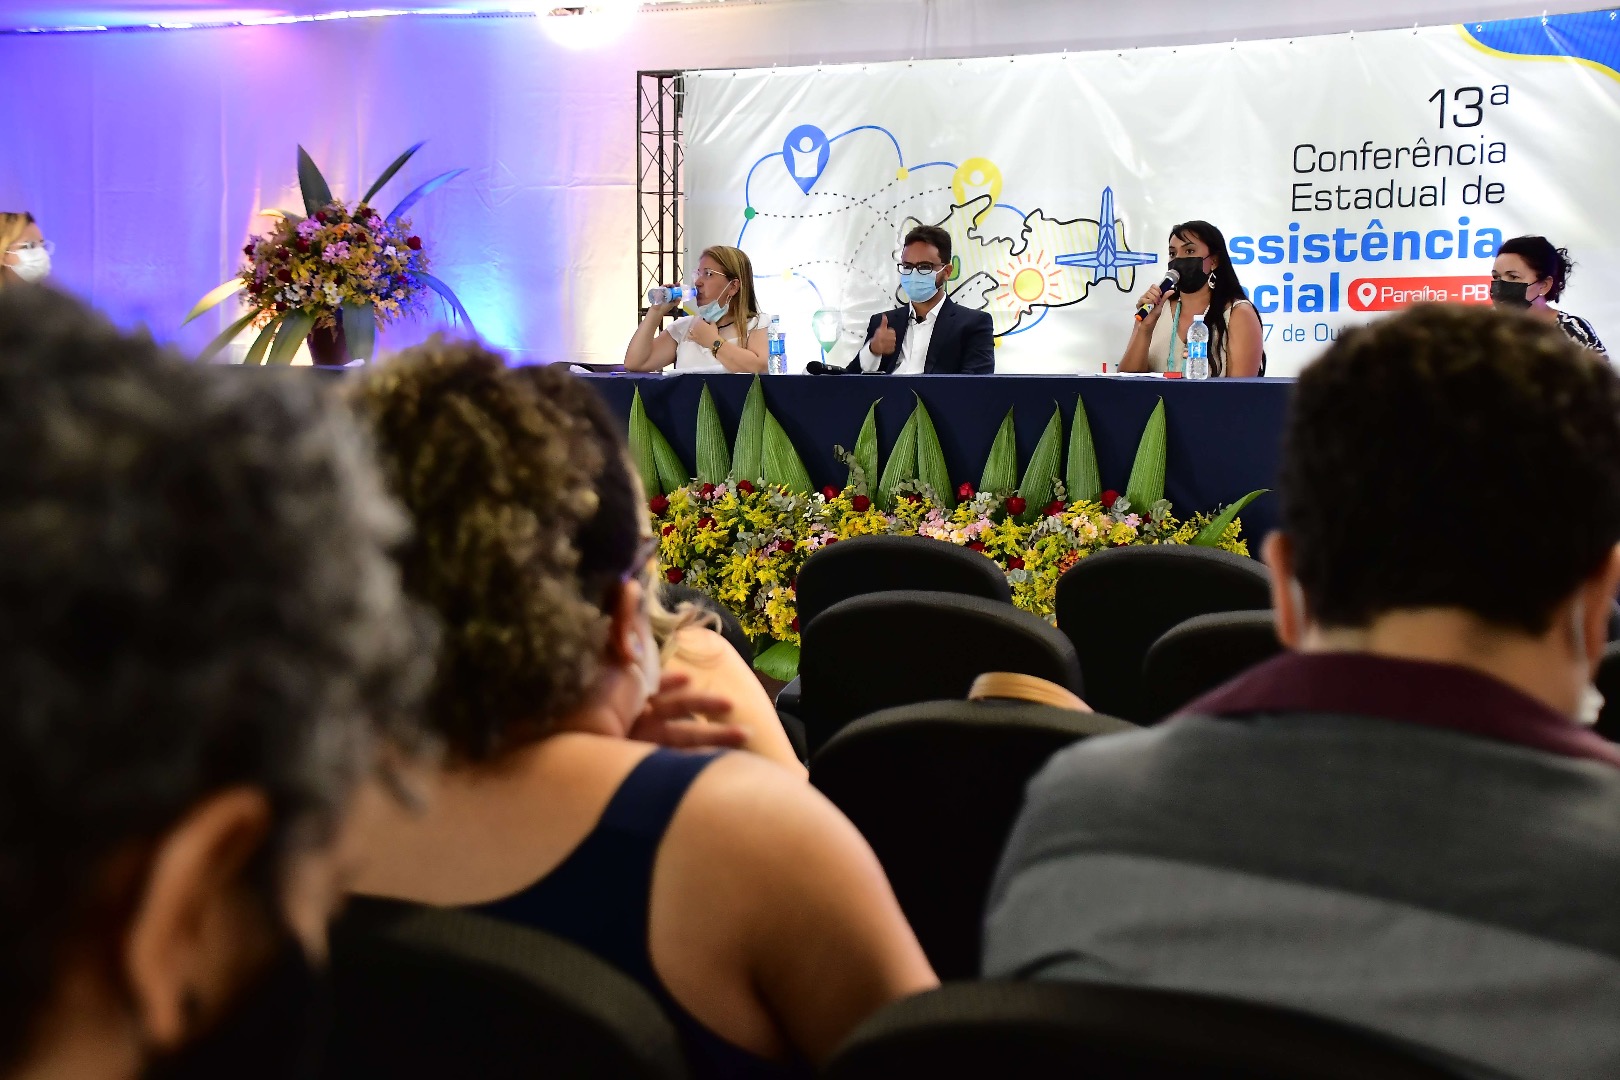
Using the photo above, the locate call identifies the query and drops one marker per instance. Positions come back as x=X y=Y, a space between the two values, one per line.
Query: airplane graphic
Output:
x=1110 y=255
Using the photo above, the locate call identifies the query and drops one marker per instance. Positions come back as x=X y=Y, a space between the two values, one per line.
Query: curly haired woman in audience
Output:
x=737 y=895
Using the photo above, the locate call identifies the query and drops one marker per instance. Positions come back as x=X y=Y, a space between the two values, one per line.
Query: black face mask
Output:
x=1510 y=293
x=1193 y=277
x=276 y=1029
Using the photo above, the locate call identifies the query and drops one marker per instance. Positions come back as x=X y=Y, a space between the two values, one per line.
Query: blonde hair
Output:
x=735 y=264
x=12 y=226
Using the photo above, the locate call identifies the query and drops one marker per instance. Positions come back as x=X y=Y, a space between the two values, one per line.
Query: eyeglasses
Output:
x=645 y=551
x=921 y=268
x=32 y=245
x=704 y=271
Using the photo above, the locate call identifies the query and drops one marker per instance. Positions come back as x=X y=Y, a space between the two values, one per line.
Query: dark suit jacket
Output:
x=963 y=342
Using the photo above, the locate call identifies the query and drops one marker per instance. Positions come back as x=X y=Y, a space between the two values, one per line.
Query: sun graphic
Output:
x=1026 y=281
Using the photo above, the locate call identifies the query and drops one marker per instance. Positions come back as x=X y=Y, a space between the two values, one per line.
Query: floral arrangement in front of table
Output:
x=742 y=528
x=332 y=276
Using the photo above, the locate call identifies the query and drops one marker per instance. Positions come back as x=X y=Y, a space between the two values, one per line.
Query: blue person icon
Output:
x=805 y=153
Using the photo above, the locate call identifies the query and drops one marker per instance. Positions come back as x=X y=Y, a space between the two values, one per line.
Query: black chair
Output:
x=899 y=648
x=1196 y=656
x=1019 y=1030
x=871 y=564
x=1608 y=684
x=935 y=788
x=731 y=627
x=427 y=993
x=1115 y=604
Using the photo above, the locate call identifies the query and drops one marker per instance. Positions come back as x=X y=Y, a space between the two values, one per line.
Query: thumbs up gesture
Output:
x=883 y=339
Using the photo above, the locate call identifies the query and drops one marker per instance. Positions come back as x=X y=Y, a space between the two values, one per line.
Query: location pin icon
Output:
x=805 y=153
x=1366 y=292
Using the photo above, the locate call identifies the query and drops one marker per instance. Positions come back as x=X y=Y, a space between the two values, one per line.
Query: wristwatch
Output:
x=715 y=348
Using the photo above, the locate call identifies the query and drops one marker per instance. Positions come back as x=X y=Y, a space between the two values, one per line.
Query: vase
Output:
x=329 y=347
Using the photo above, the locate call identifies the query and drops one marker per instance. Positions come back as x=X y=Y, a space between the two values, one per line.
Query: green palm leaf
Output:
x=747 y=460
x=388 y=173
x=713 y=456
x=780 y=662
x=866 y=453
x=311 y=184
x=1210 y=535
x=1001 y=467
x=295 y=327
x=216 y=296
x=256 y=351
x=672 y=472
x=902 y=464
x=360 y=331
x=1084 y=479
x=227 y=335
x=931 y=458
x=1146 y=485
x=783 y=466
x=641 y=446
x=422 y=192
x=1040 y=477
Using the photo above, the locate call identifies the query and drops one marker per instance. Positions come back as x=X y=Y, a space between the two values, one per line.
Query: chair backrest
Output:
x=731 y=627
x=1018 y=1030
x=426 y=993
x=1192 y=658
x=898 y=648
x=935 y=789
x=1608 y=684
x=1115 y=604
x=871 y=564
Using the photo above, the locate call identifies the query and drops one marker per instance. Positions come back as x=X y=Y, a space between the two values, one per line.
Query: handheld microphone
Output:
x=816 y=367
x=1172 y=278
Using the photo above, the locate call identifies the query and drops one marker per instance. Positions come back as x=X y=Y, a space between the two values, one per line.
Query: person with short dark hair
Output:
x=906 y=340
x=730 y=889
x=1404 y=823
x=1530 y=274
x=202 y=642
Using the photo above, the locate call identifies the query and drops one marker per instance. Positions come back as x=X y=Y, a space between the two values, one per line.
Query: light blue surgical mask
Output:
x=920 y=288
x=712 y=313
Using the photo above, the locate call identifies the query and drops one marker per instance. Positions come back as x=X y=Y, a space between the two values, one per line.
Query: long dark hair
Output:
x=1547 y=261
x=1225 y=289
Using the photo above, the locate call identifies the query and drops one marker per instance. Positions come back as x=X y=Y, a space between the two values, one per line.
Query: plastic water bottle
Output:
x=777 y=362
x=670 y=294
x=1198 y=349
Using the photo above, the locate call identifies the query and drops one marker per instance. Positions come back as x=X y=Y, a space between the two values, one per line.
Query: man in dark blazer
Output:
x=929 y=335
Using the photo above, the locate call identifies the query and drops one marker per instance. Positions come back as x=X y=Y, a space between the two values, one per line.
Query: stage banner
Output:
x=1351 y=174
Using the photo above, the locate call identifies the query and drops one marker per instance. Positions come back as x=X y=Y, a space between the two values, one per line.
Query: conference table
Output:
x=1223 y=435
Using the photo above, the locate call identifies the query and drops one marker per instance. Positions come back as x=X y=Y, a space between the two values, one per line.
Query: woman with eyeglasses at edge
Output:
x=707 y=342
x=1209 y=286
x=1529 y=274
x=27 y=257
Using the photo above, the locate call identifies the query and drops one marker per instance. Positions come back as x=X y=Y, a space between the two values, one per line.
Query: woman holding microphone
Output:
x=711 y=341
x=1208 y=286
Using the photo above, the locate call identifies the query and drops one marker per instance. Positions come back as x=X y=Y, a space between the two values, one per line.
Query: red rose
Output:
x=829 y=493
x=320 y=216
x=784 y=546
x=303 y=246
x=669 y=530
x=1016 y=506
x=658 y=505
x=795 y=624
x=248 y=251
x=913 y=497
x=745 y=487
x=1015 y=563
x=284 y=275
x=861 y=504
x=975 y=545
x=1053 y=508
x=705 y=522
x=965 y=492
x=831 y=540
x=674 y=575
x=1108 y=499
x=414 y=243
x=705 y=491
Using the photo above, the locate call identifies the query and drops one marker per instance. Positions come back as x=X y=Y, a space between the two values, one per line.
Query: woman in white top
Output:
x=1209 y=287
x=709 y=341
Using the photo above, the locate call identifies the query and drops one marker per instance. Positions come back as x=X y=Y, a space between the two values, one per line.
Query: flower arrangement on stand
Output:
x=332 y=275
x=741 y=530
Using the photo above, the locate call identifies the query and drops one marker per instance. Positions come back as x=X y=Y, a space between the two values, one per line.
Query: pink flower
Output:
x=336 y=253
x=308 y=228
x=374 y=223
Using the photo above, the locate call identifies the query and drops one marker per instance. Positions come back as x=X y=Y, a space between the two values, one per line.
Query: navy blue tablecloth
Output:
x=1223 y=434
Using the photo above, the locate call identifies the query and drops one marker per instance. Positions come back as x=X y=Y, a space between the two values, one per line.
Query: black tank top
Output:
x=600 y=898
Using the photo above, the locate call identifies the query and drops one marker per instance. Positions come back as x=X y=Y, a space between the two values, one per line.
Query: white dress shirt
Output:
x=913 y=350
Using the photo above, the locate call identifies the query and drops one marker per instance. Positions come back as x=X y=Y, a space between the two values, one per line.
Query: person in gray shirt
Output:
x=1405 y=822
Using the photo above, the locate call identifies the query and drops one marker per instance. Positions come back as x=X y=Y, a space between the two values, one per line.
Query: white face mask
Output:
x=32 y=265
x=649 y=662
x=1592 y=700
